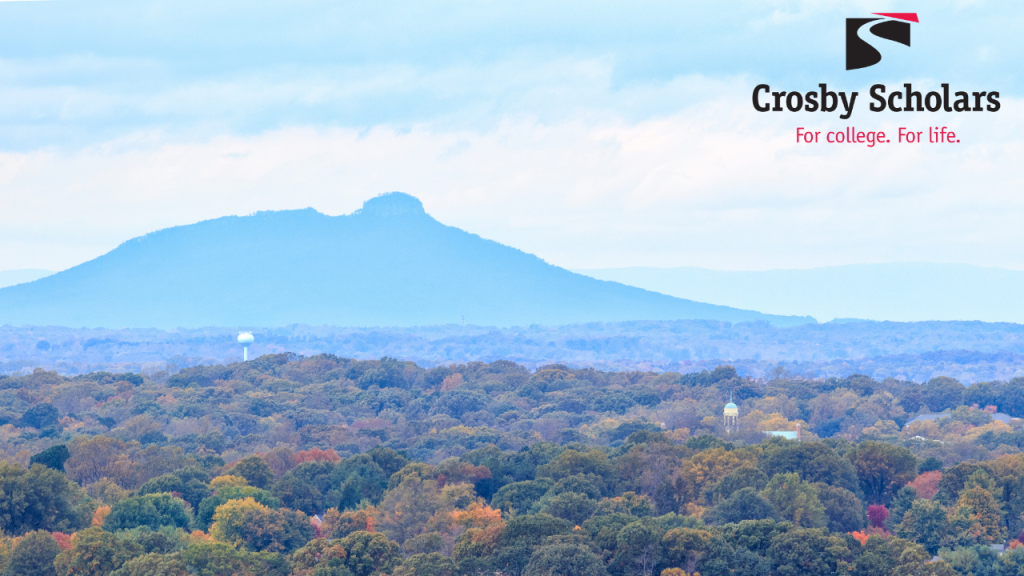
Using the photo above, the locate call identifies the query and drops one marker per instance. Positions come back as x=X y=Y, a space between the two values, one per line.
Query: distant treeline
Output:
x=967 y=351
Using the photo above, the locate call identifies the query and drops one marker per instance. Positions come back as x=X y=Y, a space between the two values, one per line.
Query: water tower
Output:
x=245 y=338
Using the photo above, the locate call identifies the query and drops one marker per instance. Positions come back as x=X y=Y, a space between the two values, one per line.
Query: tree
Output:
x=33 y=555
x=152 y=510
x=984 y=518
x=943 y=392
x=882 y=469
x=95 y=552
x=742 y=477
x=844 y=510
x=686 y=547
x=926 y=524
x=370 y=553
x=361 y=478
x=220 y=559
x=796 y=501
x=298 y=494
x=572 y=506
x=53 y=457
x=813 y=461
x=519 y=497
x=39 y=498
x=900 y=505
x=319 y=556
x=153 y=564
x=877 y=515
x=99 y=457
x=744 y=504
x=255 y=471
x=521 y=537
x=42 y=415
x=209 y=505
x=927 y=484
x=638 y=545
x=249 y=524
x=567 y=560
x=431 y=564
x=808 y=552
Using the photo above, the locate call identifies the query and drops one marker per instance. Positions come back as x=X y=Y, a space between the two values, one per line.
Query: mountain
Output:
x=389 y=264
x=12 y=277
x=900 y=292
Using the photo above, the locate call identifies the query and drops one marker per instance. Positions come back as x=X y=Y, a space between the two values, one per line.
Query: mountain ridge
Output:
x=387 y=264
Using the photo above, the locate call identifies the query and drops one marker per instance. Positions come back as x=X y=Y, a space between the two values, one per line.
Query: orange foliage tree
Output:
x=927 y=484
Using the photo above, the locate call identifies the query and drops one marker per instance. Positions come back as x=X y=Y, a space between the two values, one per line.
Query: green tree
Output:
x=431 y=564
x=813 y=461
x=33 y=555
x=519 y=497
x=742 y=477
x=221 y=559
x=53 y=457
x=521 y=536
x=686 y=547
x=638 y=545
x=942 y=392
x=744 y=504
x=567 y=560
x=900 y=505
x=360 y=478
x=926 y=524
x=95 y=552
x=370 y=553
x=298 y=494
x=153 y=510
x=153 y=564
x=809 y=552
x=255 y=471
x=39 y=498
x=572 y=506
x=191 y=488
x=882 y=469
x=845 y=512
x=796 y=501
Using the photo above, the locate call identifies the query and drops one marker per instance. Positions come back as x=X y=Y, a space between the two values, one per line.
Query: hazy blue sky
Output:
x=592 y=134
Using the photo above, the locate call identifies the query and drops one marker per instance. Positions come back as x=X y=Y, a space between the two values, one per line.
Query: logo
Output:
x=893 y=26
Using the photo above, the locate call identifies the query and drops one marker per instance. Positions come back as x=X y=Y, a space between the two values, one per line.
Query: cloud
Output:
x=715 y=184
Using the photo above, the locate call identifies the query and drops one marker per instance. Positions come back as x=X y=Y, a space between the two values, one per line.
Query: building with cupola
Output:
x=732 y=416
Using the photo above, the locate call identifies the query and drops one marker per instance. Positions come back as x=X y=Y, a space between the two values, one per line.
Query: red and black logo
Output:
x=892 y=26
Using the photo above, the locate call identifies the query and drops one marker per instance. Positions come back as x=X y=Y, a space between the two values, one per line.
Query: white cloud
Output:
x=715 y=185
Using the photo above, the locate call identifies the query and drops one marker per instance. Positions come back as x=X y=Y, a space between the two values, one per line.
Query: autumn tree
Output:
x=249 y=524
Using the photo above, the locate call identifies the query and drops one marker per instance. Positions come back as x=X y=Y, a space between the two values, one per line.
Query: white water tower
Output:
x=245 y=338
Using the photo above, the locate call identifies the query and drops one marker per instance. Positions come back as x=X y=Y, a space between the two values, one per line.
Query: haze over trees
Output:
x=482 y=467
x=967 y=351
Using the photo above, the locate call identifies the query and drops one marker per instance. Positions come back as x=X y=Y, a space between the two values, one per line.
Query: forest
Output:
x=322 y=465
x=968 y=351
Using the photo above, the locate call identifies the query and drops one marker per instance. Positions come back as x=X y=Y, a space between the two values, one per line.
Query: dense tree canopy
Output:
x=481 y=468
